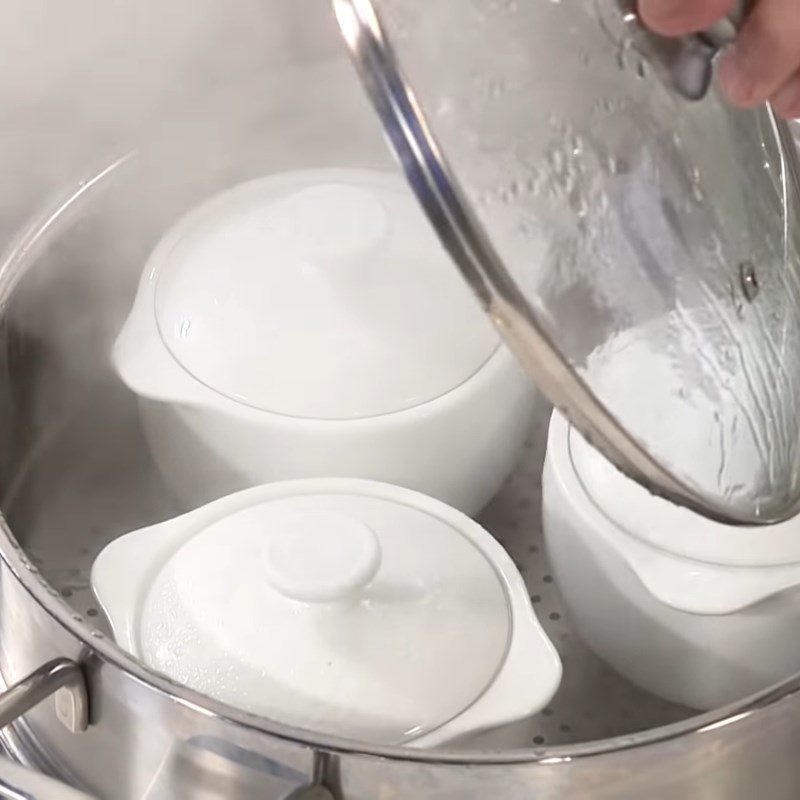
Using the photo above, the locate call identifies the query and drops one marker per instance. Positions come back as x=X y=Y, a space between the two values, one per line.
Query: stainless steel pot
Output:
x=82 y=475
x=75 y=473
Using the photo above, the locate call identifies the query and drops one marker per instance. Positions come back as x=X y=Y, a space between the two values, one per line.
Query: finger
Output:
x=765 y=55
x=678 y=17
x=787 y=99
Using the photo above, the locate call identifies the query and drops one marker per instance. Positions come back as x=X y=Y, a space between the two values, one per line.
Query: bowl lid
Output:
x=690 y=584
x=317 y=294
x=676 y=530
x=582 y=194
x=365 y=614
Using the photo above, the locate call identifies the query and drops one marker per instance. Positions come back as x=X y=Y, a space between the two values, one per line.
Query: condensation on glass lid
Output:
x=711 y=410
x=643 y=232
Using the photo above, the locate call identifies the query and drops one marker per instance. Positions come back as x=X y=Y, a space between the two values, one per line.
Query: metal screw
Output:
x=748 y=279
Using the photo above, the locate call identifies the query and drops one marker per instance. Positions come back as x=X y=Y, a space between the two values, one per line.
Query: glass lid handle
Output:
x=690 y=60
x=693 y=69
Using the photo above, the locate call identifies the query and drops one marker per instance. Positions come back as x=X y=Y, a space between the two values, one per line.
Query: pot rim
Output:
x=34 y=237
x=107 y=650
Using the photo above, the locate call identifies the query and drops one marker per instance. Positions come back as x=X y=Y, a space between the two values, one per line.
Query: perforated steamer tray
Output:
x=65 y=509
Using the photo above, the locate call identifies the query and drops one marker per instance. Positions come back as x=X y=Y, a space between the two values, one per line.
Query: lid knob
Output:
x=319 y=557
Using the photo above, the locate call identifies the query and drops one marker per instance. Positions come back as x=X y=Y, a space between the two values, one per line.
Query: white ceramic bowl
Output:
x=344 y=606
x=361 y=354
x=696 y=612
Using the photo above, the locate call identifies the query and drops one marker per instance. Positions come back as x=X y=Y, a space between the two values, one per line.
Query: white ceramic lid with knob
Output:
x=342 y=606
x=318 y=294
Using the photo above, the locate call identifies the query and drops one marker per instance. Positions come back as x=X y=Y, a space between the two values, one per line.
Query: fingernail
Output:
x=735 y=80
x=787 y=100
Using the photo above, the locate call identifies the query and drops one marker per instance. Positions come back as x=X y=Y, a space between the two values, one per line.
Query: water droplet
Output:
x=557 y=160
x=496 y=88
x=578 y=204
x=696 y=182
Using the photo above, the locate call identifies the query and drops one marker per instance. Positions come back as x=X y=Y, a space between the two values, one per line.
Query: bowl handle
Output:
x=527 y=681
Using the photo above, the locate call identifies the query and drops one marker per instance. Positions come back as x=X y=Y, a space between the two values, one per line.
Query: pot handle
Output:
x=64 y=680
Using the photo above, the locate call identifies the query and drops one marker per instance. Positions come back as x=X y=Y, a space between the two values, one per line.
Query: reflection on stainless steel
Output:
x=19 y=783
x=324 y=766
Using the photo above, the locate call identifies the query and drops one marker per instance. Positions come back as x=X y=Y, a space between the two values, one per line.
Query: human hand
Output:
x=764 y=62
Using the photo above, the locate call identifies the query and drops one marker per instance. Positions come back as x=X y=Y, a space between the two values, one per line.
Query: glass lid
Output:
x=633 y=238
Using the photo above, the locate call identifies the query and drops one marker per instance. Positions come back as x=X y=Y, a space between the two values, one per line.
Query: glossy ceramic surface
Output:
x=391 y=617
x=694 y=632
x=377 y=361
